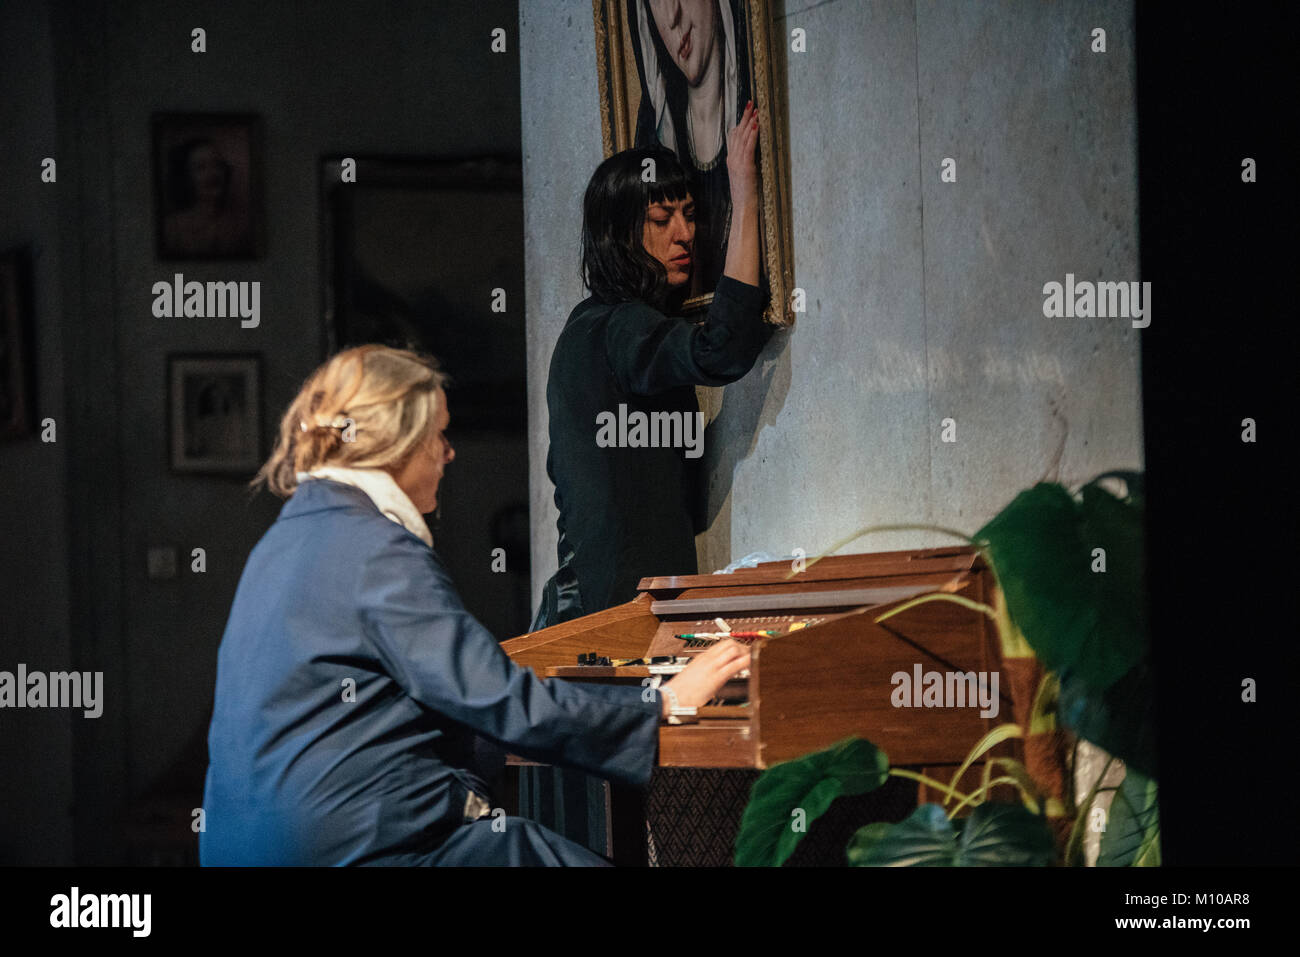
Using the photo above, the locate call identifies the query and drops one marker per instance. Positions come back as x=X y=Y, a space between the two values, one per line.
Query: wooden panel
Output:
x=623 y=631
x=590 y=672
x=955 y=635
x=721 y=742
x=782 y=599
x=958 y=558
x=813 y=688
x=947 y=580
x=709 y=744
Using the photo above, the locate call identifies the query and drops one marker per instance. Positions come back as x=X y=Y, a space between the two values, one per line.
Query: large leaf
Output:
x=770 y=829
x=1135 y=487
x=1132 y=834
x=995 y=835
x=1119 y=720
x=1005 y=835
x=1119 y=593
x=1041 y=547
x=924 y=839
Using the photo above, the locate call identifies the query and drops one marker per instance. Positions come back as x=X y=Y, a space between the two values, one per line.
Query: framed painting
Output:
x=428 y=254
x=17 y=346
x=678 y=73
x=207 y=185
x=214 y=406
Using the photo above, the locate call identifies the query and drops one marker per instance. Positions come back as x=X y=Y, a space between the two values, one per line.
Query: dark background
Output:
x=80 y=82
x=1213 y=87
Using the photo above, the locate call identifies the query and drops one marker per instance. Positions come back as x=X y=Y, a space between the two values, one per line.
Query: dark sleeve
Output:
x=649 y=352
x=443 y=658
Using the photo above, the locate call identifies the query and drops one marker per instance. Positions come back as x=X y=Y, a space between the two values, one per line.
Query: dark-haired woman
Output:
x=630 y=511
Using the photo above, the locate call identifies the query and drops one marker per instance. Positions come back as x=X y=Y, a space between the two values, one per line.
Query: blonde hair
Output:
x=367 y=407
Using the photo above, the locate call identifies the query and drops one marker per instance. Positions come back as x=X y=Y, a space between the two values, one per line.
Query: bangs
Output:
x=670 y=185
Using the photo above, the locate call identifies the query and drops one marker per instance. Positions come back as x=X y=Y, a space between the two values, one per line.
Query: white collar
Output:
x=387 y=495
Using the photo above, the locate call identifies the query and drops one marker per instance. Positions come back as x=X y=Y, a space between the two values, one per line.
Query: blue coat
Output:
x=338 y=602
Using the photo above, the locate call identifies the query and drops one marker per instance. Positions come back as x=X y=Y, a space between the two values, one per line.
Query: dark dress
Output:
x=351 y=684
x=626 y=513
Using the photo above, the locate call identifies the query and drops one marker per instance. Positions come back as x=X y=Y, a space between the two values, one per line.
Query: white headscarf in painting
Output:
x=654 y=77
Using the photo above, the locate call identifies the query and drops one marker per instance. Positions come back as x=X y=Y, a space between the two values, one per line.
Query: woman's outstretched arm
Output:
x=742 y=240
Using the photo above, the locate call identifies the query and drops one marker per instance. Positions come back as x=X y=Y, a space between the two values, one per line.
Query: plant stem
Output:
x=939 y=596
x=883 y=528
x=928 y=782
x=995 y=737
x=1005 y=779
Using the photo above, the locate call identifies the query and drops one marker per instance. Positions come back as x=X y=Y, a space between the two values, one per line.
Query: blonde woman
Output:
x=351 y=681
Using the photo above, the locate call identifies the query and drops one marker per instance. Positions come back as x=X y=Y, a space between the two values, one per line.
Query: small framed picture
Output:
x=207 y=185
x=214 y=408
x=17 y=346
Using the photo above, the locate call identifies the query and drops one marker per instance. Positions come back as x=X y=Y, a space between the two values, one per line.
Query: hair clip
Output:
x=340 y=422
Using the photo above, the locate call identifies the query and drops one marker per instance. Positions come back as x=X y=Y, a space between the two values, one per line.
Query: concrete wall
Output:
x=924 y=298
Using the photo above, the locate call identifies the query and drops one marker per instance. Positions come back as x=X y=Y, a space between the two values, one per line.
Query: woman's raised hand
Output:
x=742 y=239
x=699 y=682
x=741 y=168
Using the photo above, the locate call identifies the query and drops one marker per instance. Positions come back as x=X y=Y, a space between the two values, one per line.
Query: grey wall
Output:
x=924 y=298
x=35 y=746
x=80 y=81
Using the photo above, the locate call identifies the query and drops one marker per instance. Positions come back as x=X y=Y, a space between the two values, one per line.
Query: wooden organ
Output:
x=825 y=648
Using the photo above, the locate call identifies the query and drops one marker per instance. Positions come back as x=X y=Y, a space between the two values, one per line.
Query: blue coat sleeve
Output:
x=443 y=658
x=650 y=352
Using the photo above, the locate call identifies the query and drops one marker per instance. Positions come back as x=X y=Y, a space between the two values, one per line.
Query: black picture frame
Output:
x=412 y=249
x=17 y=346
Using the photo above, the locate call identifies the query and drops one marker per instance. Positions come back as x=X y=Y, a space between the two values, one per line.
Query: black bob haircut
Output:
x=615 y=265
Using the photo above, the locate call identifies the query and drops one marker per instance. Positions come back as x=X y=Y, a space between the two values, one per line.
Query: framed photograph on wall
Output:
x=207 y=185
x=17 y=346
x=679 y=73
x=428 y=254
x=214 y=411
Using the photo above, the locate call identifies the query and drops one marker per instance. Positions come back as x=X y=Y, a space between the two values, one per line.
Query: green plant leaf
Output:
x=1041 y=548
x=1132 y=835
x=1119 y=593
x=768 y=835
x=1119 y=720
x=926 y=838
x=995 y=835
x=1135 y=483
x=1005 y=835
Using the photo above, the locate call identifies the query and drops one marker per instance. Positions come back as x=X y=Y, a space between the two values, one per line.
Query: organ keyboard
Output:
x=826 y=644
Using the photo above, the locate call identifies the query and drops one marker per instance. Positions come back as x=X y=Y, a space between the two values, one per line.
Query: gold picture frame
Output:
x=753 y=68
